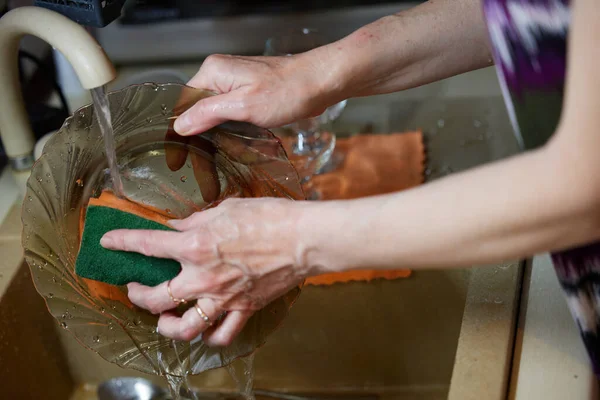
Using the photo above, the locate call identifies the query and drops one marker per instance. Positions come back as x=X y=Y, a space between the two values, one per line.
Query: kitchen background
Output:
x=166 y=37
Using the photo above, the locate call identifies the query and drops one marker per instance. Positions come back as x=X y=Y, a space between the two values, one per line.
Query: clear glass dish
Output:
x=160 y=169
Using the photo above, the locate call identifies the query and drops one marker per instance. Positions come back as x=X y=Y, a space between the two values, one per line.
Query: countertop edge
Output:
x=485 y=345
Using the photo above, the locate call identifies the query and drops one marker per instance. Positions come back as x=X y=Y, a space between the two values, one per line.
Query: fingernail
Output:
x=106 y=241
x=183 y=123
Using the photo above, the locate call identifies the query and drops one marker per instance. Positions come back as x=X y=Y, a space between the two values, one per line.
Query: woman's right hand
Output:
x=265 y=91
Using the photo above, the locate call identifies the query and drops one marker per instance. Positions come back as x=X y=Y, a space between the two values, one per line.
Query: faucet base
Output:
x=22 y=163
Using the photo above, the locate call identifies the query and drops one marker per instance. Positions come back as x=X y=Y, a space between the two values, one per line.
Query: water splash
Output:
x=244 y=376
x=179 y=386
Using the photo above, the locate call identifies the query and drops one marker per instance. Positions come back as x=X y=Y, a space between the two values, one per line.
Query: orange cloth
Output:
x=102 y=290
x=108 y=199
x=374 y=164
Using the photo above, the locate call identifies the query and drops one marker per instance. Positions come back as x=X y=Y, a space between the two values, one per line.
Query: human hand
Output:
x=236 y=258
x=265 y=91
x=242 y=143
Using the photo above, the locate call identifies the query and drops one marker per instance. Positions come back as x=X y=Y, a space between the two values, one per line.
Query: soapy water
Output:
x=102 y=113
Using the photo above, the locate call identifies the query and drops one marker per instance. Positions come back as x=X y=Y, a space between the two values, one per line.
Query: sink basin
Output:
x=435 y=335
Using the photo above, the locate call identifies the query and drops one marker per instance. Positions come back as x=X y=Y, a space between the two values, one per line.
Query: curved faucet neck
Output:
x=92 y=66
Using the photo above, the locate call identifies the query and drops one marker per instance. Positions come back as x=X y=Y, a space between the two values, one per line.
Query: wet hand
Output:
x=236 y=258
x=265 y=91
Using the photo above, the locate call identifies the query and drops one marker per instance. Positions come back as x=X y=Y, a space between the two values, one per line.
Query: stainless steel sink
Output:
x=435 y=335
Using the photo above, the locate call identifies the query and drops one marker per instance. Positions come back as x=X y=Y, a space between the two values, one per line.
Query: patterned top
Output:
x=529 y=40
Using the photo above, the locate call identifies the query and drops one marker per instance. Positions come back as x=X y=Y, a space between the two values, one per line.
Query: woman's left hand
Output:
x=236 y=258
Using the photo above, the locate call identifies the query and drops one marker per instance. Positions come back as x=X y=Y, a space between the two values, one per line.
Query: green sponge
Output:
x=119 y=267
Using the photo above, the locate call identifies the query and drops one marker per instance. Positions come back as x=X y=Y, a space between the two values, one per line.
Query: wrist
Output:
x=327 y=236
x=329 y=76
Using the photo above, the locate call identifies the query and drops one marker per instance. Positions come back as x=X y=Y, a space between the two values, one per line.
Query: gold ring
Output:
x=175 y=300
x=202 y=314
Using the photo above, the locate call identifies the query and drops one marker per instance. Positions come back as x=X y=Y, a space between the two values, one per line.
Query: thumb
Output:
x=210 y=112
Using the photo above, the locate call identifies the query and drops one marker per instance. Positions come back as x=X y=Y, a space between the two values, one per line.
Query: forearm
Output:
x=503 y=211
x=432 y=41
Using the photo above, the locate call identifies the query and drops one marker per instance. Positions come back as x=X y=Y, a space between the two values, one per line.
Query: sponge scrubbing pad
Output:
x=119 y=267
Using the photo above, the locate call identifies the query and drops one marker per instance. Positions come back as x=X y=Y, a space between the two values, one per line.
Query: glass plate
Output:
x=163 y=170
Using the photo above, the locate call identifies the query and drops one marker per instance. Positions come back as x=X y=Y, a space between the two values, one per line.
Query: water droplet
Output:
x=148 y=120
x=50 y=295
x=163 y=107
x=476 y=123
x=168 y=210
x=79 y=182
x=447 y=170
x=64 y=325
x=102 y=310
x=82 y=114
x=39 y=179
x=441 y=123
x=140 y=187
x=183 y=178
x=96 y=339
x=54 y=279
x=48 y=175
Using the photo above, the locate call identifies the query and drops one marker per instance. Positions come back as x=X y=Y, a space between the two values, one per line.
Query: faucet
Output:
x=91 y=64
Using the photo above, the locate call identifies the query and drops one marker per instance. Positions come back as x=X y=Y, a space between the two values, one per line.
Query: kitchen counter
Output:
x=550 y=361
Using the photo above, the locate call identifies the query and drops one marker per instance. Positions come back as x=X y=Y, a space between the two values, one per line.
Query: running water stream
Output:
x=102 y=113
